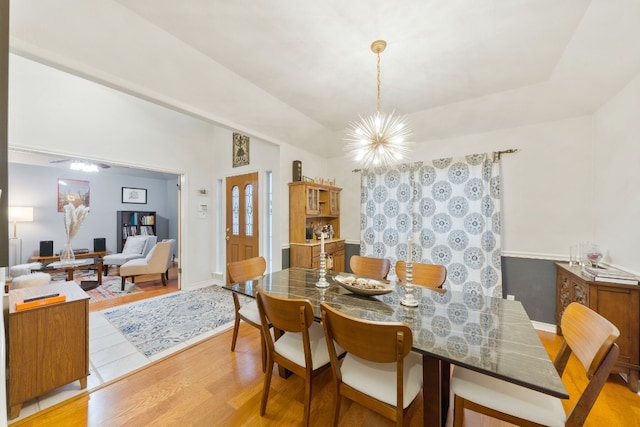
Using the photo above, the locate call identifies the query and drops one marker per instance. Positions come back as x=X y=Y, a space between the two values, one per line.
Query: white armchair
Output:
x=154 y=263
x=135 y=247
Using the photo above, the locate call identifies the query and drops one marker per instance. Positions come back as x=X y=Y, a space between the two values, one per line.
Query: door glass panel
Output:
x=248 y=209
x=235 y=210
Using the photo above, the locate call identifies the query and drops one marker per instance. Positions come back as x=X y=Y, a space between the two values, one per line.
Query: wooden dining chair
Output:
x=430 y=275
x=372 y=268
x=299 y=344
x=379 y=370
x=588 y=335
x=241 y=271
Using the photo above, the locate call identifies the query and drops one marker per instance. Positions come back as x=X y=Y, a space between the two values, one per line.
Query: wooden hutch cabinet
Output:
x=313 y=205
x=620 y=304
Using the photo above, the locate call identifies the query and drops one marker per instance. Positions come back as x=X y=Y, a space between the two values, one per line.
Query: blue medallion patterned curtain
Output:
x=450 y=211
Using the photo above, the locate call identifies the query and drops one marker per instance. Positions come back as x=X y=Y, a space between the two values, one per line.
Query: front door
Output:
x=242 y=217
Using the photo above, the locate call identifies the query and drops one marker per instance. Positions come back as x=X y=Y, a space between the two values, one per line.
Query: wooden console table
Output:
x=620 y=304
x=45 y=259
x=48 y=346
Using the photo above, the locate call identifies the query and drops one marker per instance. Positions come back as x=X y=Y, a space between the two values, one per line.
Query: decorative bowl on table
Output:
x=363 y=286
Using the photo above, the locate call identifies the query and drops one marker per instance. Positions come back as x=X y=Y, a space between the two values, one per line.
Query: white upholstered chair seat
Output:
x=250 y=311
x=374 y=378
x=509 y=398
x=290 y=346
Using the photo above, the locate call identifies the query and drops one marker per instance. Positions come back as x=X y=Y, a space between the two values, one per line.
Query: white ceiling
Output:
x=298 y=72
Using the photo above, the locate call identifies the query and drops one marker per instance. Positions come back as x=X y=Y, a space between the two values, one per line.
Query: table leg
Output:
x=70 y=274
x=99 y=272
x=435 y=391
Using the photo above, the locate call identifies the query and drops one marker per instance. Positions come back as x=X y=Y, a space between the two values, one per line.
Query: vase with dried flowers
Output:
x=73 y=217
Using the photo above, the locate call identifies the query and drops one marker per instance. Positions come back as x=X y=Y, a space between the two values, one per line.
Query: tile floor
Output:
x=111 y=356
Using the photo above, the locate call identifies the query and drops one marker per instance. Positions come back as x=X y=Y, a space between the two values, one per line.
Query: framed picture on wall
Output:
x=134 y=195
x=240 y=150
x=72 y=191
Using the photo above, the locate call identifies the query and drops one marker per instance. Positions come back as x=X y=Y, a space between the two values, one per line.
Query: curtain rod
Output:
x=496 y=155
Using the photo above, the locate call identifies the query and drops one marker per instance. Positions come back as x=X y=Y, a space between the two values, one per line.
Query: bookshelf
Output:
x=135 y=223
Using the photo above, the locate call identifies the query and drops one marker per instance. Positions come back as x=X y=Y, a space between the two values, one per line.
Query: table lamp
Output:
x=19 y=214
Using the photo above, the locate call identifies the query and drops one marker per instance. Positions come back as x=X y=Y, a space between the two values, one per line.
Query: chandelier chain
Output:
x=378 y=54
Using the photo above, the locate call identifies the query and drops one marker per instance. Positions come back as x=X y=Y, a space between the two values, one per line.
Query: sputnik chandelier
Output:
x=381 y=139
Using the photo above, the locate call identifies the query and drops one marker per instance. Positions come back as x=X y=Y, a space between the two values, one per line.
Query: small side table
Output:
x=48 y=345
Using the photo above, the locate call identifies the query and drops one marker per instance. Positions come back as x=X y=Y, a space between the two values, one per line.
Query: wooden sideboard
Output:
x=48 y=346
x=620 y=304
x=308 y=255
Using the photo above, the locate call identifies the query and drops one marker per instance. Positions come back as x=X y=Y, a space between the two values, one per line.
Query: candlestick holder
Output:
x=322 y=282
x=409 y=300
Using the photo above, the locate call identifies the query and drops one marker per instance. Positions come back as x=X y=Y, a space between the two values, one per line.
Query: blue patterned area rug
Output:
x=160 y=323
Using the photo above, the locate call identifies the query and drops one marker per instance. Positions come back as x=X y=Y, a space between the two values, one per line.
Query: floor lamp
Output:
x=19 y=214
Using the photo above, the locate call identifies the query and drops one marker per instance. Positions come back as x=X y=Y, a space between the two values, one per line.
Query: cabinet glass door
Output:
x=312 y=200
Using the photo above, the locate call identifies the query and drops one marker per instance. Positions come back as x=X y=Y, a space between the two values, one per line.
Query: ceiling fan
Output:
x=81 y=164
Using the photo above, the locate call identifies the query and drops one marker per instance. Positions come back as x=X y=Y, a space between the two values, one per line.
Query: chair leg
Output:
x=336 y=414
x=164 y=279
x=267 y=385
x=263 y=350
x=458 y=411
x=236 y=326
x=123 y=281
x=307 y=401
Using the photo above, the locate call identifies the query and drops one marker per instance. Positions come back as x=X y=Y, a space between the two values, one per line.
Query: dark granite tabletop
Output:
x=489 y=335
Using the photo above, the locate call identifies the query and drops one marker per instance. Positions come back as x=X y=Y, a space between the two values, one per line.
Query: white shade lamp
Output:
x=19 y=214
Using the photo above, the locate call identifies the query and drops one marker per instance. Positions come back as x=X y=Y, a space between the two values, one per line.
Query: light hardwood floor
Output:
x=207 y=385
x=150 y=284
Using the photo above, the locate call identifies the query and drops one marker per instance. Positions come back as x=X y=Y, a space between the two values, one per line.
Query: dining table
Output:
x=486 y=334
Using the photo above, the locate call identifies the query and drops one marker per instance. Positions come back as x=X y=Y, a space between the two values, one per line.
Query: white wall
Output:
x=615 y=176
x=53 y=111
x=263 y=158
x=545 y=194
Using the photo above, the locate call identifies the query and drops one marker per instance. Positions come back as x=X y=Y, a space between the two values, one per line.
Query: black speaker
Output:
x=99 y=244
x=46 y=248
x=297 y=171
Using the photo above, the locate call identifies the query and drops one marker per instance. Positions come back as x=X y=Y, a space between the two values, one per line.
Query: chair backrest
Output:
x=156 y=259
x=288 y=315
x=151 y=241
x=380 y=342
x=135 y=245
x=591 y=338
x=372 y=268
x=246 y=269
x=430 y=275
